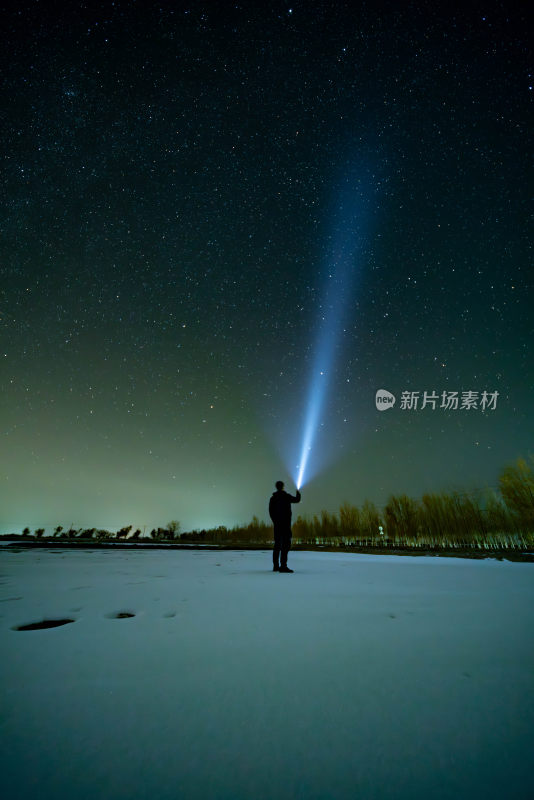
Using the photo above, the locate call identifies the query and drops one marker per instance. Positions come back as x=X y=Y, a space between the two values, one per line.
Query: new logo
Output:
x=384 y=400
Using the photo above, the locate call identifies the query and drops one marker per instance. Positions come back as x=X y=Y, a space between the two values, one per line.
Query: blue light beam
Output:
x=344 y=262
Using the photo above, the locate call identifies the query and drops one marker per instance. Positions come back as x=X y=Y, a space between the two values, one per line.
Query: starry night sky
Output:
x=174 y=179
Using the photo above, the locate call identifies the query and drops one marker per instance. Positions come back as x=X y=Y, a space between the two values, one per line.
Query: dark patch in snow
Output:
x=120 y=615
x=45 y=623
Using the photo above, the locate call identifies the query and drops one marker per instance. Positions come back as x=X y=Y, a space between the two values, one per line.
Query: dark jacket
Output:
x=280 y=506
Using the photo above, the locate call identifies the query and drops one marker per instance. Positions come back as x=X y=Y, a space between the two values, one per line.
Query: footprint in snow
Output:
x=45 y=623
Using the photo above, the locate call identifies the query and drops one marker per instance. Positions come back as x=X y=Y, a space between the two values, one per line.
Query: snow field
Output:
x=358 y=676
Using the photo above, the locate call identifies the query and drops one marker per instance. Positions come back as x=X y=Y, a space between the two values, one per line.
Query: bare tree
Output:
x=517 y=488
x=173 y=528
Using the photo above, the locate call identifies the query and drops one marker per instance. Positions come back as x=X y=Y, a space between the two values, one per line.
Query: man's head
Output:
x=279 y=485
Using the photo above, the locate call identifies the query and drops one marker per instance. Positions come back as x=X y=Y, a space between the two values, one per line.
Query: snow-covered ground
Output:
x=356 y=677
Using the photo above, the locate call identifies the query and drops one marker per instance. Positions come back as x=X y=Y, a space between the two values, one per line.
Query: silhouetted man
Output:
x=280 y=513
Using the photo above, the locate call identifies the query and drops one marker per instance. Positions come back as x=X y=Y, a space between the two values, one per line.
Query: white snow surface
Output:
x=358 y=676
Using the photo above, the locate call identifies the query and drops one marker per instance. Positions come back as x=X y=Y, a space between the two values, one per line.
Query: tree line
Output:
x=484 y=518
